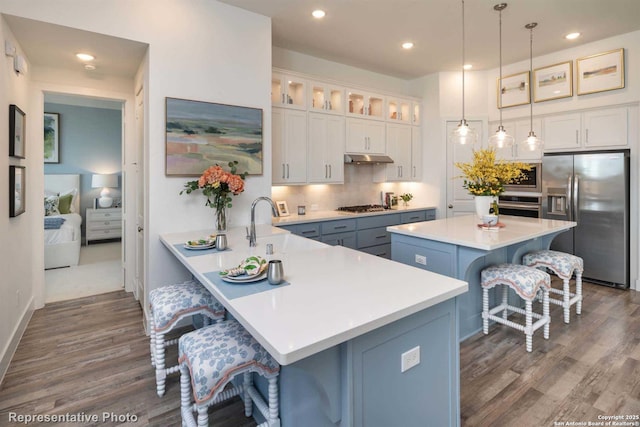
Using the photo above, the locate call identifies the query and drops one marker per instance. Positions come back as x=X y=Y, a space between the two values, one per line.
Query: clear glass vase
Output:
x=221 y=219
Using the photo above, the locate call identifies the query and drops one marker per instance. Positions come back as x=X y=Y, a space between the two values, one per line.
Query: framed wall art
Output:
x=51 y=138
x=514 y=90
x=553 y=82
x=203 y=134
x=16 y=190
x=601 y=72
x=17 y=132
x=283 y=209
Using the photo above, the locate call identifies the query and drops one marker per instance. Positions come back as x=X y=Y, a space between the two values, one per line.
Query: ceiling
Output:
x=368 y=33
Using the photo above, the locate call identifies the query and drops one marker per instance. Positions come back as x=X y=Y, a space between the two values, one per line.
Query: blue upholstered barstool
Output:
x=564 y=266
x=168 y=305
x=213 y=356
x=526 y=282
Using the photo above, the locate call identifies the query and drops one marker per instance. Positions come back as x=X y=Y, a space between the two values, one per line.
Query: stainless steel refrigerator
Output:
x=592 y=189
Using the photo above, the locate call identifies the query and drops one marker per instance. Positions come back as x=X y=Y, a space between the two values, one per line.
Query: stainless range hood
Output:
x=367 y=159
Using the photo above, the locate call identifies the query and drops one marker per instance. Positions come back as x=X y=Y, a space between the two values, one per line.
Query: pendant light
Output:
x=532 y=143
x=463 y=134
x=501 y=138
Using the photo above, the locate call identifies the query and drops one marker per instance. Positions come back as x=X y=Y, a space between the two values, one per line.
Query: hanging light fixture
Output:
x=463 y=134
x=501 y=138
x=532 y=143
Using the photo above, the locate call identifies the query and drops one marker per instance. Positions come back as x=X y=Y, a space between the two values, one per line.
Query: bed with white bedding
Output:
x=62 y=245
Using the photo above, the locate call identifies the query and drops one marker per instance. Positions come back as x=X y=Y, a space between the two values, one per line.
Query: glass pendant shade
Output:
x=532 y=143
x=463 y=134
x=501 y=138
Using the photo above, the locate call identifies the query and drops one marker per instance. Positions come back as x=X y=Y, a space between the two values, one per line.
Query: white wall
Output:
x=16 y=242
x=199 y=49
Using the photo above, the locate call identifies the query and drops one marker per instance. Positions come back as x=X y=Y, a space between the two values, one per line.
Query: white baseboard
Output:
x=12 y=345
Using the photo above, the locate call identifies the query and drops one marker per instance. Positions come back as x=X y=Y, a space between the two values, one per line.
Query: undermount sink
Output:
x=283 y=243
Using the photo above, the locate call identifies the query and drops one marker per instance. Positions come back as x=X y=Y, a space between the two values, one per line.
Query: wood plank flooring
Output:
x=91 y=356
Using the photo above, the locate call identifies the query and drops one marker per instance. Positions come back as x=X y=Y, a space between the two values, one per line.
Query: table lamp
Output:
x=105 y=182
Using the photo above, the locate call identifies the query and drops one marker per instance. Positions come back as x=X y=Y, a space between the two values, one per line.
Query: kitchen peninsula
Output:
x=458 y=247
x=339 y=328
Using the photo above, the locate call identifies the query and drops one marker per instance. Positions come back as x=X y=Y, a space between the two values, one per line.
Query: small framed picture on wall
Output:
x=17 y=131
x=16 y=190
x=51 y=138
x=283 y=209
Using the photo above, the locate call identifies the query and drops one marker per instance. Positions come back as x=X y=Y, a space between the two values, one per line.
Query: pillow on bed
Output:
x=74 y=194
x=49 y=193
x=51 y=204
x=64 y=203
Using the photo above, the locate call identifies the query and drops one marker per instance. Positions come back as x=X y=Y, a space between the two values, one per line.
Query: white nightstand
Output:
x=103 y=224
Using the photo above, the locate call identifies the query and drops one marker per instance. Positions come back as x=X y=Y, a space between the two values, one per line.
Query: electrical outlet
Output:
x=314 y=207
x=409 y=359
x=421 y=259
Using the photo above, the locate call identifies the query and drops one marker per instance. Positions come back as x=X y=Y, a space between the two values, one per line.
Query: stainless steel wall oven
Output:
x=527 y=206
x=532 y=181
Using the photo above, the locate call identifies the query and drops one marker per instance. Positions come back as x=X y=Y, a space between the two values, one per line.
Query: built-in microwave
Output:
x=532 y=181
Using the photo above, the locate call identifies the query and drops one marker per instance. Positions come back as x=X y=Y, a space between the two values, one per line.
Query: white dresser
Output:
x=103 y=224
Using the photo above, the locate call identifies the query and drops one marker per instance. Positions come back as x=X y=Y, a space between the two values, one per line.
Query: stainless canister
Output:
x=221 y=242
x=275 y=272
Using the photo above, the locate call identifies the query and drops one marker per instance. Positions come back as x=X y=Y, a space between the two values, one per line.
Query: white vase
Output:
x=483 y=205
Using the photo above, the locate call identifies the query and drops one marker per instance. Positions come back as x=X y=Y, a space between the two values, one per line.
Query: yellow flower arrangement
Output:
x=485 y=176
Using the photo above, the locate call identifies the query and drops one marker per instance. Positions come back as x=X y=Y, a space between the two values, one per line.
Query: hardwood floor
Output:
x=588 y=368
x=91 y=356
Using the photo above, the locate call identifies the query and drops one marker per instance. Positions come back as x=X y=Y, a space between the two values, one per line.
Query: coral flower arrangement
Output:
x=484 y=176
x=218 y=186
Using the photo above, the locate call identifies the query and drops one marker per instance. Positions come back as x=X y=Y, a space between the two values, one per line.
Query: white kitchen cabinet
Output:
x=399 y=110
x=289 y=141
x=415 y=117
x=326 y=98
x=519 y=129
x=602 y=128
x=288 y=91
x=365 y=136
x=365 y=104
x=399 y=149
x=326 y=148
x=416 y=153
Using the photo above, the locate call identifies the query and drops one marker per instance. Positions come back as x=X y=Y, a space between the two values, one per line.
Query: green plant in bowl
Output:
x=406 y=198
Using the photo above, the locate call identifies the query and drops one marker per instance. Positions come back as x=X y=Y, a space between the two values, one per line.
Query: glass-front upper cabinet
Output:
x=364 y=104
x=288 y=91
x=415 y=117
x=326 y=98
x=399 y=110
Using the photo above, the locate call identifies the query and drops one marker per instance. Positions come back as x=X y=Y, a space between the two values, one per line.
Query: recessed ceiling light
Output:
x=407 y=45
x=572 y=36
x=85 y=57
x=467 y=66
x=89 y=67
x=318 y=13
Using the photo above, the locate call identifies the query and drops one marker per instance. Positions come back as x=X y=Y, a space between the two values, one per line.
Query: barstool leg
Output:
x=273 y=402
x=527 y=330
x=248 y=403
x=505 y=300
x=203 y=416
x=566 y=295
x=152 y=339
x=161 y=373
x=579 y=292
x=545 y=312
x=485 y=311
x=185 y=397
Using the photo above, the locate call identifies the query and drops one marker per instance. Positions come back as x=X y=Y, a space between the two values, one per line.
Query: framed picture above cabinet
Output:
x=553 y=82
x=601 y=72
x=514 y=89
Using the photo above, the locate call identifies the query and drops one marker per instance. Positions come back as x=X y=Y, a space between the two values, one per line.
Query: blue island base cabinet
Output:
x=360 y=384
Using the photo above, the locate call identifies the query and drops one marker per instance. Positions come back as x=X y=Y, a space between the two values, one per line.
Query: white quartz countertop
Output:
x=315 y=216
x=464 y=230
x=335 y=293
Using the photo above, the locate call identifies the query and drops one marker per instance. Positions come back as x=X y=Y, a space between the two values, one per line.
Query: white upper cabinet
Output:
x=365 y=136
x=288 y=91
x=602 y=128
x=416 y=153
x=326 y=98
x=289 y=146
x=326 y=148
x=399 y=149
x=365 y=104
x=415 y=116
x=399 y=110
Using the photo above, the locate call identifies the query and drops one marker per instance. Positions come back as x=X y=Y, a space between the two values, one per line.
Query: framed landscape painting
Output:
x=601 y=72
x=553 y=82
x=51 y=138
x=514 y=90
x=17 y=131
x=203 y=134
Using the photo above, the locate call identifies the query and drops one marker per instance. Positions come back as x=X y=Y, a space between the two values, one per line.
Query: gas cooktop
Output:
x=362 y=208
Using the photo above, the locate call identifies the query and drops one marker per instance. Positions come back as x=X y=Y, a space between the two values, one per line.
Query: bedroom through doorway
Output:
x=88 y=259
